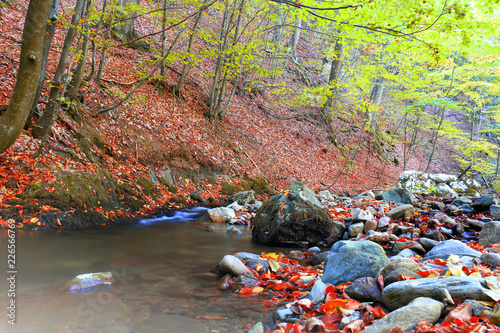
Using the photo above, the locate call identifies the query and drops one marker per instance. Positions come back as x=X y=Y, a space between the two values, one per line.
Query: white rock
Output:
x=221 y=214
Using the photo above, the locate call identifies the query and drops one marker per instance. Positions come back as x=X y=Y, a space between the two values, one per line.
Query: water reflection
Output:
x=161 y=278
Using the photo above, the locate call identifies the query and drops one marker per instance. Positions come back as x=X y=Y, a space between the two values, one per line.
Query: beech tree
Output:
x=31 y=65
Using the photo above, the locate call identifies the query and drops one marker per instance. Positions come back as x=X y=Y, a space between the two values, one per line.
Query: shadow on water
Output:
x=161 y=278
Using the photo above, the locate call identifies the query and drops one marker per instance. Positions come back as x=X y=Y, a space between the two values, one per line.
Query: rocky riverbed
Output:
x=424 y=260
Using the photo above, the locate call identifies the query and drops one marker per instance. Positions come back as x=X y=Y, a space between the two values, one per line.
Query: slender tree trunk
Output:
x=102 y=59
x=334 y=80
x=163 y=39
x=187 y=65
x=218 y=108
x=46 y=120
x=76 y=81
x=295 y=40
x=28 y=76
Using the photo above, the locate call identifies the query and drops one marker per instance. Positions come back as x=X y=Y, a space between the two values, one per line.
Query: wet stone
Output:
x=365 y=289
x=491 y=259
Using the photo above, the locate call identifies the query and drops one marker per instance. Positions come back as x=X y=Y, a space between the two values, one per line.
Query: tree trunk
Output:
x=46 y=121
x=30 y=69
x=334 y=79
x=125 y=31
x=49 y=35
x=76 y=81
x=187 y=65
x=163 y=39
x=295 y=40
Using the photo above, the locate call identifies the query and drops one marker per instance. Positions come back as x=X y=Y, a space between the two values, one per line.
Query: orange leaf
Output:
x=334 y=305
x=462 y=313
x=49 y=189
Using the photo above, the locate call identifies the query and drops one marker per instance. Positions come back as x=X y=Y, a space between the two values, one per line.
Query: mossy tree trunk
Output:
x=30 y=69
x=125 y=31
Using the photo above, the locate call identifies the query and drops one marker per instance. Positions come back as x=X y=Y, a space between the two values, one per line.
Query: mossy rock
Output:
x=179 y=200
x=147 y=186
x=258 y=185
x=229 y=189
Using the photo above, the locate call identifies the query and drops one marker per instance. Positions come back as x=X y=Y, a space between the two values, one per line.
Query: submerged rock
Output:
x=89 y=280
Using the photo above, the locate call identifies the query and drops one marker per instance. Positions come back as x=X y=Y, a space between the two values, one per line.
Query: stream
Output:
x=161 y=278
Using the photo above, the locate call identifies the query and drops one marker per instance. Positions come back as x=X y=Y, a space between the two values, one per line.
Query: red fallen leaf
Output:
x=332 y=318
x=49 y=189
x=330 y=289
x=460 y=314
x=377 y=312
x=334 y=305
x=405 y=278
x=380 y=280
x=355 y=327
x=396 y=330
x=402 y=239
x=424 y=274
x=440 y=262
x=245 y=291
x=423 y=327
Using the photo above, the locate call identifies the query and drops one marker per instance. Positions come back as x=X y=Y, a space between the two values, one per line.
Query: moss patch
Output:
x=258 y=185
x=229 y=189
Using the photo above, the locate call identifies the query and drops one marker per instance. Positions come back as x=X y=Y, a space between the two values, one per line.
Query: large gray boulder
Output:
x=292 y=217
x=349 y=260
x=490 y=234
x=399 y=294
x=485 y=201
x=448 y=247
x=245 y=198
x=397 y=195
x=406 y=318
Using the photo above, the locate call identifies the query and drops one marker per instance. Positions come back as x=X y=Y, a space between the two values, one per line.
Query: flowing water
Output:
x=161 y=278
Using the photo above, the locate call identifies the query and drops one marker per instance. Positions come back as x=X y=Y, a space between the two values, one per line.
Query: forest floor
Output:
x=156 y=131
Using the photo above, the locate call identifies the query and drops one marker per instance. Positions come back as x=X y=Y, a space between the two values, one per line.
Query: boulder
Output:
x=490 y=234
x=231 y=264
x=365 y=289
x=317 y=293
x=491 y=259
x=326 y=196
x=407 y=317
x=397 y=195
x=443 y=190
x=484 y=202
x=245 y=198
x=349 y=260
x=383 y=222
x=292 y=217
x=399 y=263
x=221 y=214
x=448 y=247
x=495 y=210
x=401 y=271
x=355 y=229
x=399 y=211
x=399 y=294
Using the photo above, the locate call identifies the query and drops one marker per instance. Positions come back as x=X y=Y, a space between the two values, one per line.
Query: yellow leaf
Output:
x=274 y=265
